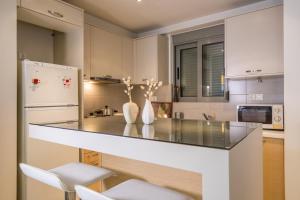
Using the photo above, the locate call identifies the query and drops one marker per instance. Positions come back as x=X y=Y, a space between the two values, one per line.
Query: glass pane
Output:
x=188 y=72
x=260 y=114
x=213 y=70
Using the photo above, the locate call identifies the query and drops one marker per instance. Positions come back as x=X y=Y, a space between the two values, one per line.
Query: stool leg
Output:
x=70 y=196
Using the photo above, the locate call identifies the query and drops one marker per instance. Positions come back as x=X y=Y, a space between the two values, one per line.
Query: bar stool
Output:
x=131 y=190
x=67 y=176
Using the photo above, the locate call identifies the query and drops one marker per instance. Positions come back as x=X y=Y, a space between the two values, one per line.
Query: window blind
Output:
x=213 y=70
x=188 y=72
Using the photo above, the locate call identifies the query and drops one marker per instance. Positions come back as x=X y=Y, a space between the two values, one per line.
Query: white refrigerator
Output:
x=49 y=93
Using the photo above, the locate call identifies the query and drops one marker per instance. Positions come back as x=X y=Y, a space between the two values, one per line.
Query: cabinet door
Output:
x=56 y=9
x=273 y=169
x=127 y=57
x=146 y=59
x=106 y=53
x=254 y=43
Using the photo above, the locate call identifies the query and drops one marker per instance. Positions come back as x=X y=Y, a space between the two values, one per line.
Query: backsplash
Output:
x=267 y=90
x=98 y=95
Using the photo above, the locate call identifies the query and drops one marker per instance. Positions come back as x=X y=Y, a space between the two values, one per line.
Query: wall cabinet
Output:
x=273 y=169
x=254 y=43
x=107 y=54
x=56 y=9
x=151 y=59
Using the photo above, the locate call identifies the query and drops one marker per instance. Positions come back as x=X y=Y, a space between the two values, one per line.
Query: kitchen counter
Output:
x=228 y=155
x=222 y=135
x=273 y=134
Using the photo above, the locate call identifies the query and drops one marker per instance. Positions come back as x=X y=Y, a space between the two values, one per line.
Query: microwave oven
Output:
x=270 y=115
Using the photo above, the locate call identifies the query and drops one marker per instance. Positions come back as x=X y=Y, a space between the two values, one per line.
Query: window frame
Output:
x=199 y=44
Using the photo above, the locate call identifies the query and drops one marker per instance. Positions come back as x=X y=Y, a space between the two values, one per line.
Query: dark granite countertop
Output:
x=212 y=134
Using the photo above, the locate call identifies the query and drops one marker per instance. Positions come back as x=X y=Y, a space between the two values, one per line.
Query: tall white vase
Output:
x=148 y=113
x=148 y=131
x=130 y=111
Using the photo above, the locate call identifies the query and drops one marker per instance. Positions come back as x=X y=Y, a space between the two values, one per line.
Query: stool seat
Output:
x=132 y=190
x=80 y=174
x=67 y=176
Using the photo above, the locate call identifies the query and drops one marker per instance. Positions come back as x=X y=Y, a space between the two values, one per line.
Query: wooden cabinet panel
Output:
x=56 y=9
x=254 y=43
x=273 y=169
x=106 y=53
x=92 y=158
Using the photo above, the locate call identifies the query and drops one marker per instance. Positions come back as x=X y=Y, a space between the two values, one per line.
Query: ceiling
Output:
x=151 y=14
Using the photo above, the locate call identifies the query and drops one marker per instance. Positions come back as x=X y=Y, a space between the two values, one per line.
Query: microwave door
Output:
x=255 y=114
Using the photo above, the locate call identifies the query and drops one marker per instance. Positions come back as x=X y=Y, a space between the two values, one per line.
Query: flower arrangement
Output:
x=151 y=87
x=128 y=82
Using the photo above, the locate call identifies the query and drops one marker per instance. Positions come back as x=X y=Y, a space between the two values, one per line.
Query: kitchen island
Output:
x=228 y=155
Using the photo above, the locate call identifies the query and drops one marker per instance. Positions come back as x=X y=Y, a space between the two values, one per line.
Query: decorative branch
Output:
x=152 y=87
x=128 y=82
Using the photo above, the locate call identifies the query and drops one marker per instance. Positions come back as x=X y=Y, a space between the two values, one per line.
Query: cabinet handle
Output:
x=258 y=70
x=178 y=73
x=55 y=14
x=107 y=76
x=248 y=71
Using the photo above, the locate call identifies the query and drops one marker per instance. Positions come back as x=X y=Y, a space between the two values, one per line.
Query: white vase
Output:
x=130 y=130
x=148 y=131
x=130 y=111
x=148 y=113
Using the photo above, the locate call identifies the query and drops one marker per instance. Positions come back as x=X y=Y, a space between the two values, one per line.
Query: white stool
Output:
x=131 y=190
x=67 y=176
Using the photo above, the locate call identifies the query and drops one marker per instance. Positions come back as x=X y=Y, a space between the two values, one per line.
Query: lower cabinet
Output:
x=273 y=169
x=92 y=158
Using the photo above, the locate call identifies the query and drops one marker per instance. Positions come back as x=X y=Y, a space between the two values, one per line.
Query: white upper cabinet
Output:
x=107 y=54
x=151 y=59
x=56 y=9
x=254 y=43
x=127 y=57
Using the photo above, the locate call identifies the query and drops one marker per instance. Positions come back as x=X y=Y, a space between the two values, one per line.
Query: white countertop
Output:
x=273 y=134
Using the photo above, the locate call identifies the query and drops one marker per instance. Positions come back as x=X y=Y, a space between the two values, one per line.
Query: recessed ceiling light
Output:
x=138 y=0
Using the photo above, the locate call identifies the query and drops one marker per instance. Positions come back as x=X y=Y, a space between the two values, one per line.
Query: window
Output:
x=199 y=69
x=213 y=84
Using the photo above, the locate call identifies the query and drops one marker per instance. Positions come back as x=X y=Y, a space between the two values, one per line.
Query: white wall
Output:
x=292 y=97
x=8 y=99
x=35 y=43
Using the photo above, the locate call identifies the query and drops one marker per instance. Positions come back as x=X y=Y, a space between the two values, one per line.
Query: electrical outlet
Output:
x=251 y=97
x=259 y=97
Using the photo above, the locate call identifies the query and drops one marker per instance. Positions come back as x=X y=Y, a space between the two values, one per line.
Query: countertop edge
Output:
x=273 y=134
